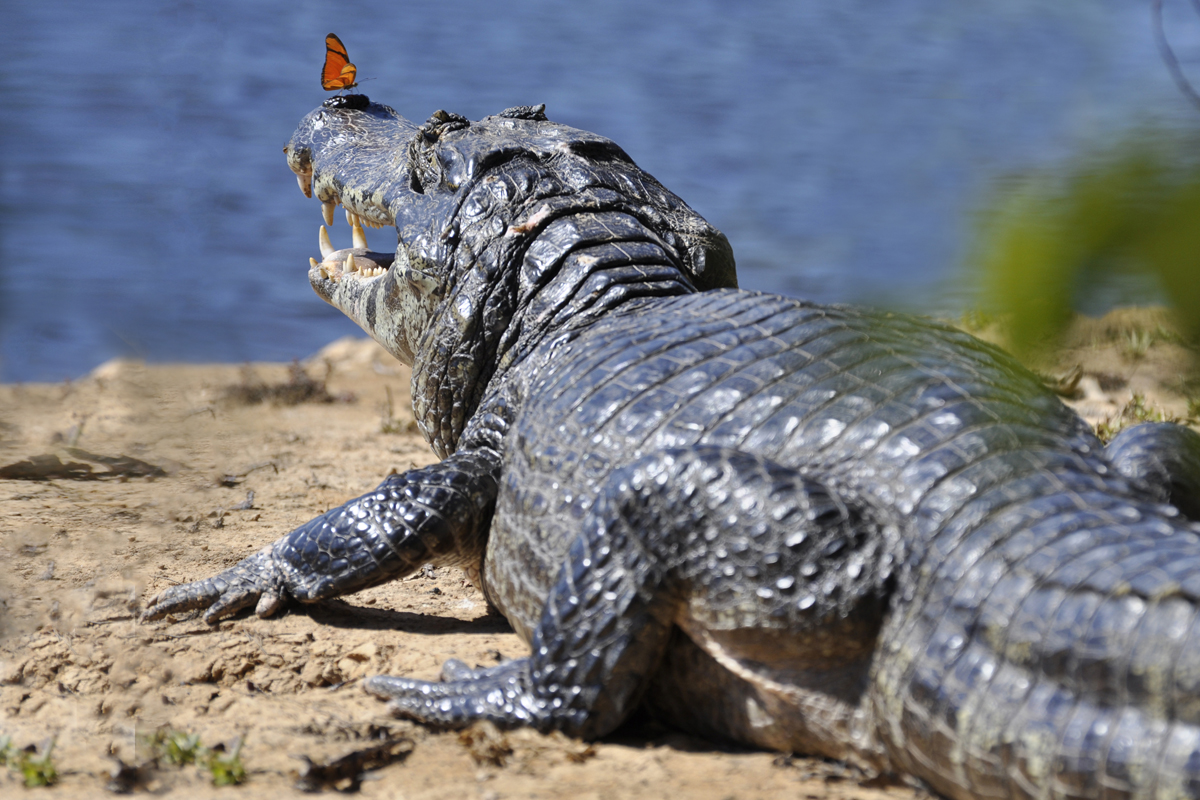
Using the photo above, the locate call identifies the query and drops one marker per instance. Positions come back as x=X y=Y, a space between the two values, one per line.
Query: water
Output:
x=842 y=146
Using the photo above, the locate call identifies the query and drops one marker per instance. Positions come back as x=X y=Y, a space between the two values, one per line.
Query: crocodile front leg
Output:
x=437 y=513
x=720 y=543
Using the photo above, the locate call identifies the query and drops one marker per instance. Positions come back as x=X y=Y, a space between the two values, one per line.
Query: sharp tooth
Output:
x=312 y=263
x=350 y=265
x=352 y=219
x=324 y=243
x=327 y=211
x=305 y=185
x=359 y=237
x=324 y=273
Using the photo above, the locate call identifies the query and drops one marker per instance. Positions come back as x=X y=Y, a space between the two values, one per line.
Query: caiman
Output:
x=813 y=528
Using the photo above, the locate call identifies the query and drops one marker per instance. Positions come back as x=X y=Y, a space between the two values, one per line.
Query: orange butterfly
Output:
x=338 y=72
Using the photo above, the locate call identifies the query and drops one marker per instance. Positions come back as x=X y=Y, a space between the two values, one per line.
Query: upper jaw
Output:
x=327 y=142
x=344 y=154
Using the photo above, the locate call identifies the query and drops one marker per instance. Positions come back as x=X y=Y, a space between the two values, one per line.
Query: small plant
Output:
x=1136 y=344
x=35 y=769
x=300 y=387
x=179 y=748
x=227 y=769
x=389 y=423
x=1135 y=411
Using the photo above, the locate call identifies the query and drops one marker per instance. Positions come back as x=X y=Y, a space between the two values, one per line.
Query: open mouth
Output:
x=358 y=261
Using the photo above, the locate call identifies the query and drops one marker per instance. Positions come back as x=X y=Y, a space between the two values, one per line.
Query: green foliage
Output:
x=974 y=320
x=389 y=423
x=227 y=769
x=1135 y=209
x=179 y=748
x=1135 y=411
x=36 y=769
x=1137 y=344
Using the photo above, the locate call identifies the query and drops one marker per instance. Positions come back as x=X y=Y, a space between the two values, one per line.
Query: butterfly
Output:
x=338 y=72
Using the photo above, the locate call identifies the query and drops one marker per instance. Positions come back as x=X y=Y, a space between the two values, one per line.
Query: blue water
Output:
x=842 y=146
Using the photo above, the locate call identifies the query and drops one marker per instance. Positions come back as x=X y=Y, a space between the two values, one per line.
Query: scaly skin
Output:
x=813 y=528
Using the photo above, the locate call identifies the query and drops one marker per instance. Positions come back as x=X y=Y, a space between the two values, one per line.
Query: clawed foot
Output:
x=500 y=694
x=256 y=581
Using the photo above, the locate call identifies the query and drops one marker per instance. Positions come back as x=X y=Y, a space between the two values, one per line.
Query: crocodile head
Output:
x=467 y=200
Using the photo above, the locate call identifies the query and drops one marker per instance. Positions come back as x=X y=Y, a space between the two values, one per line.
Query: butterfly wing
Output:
x=338 y=72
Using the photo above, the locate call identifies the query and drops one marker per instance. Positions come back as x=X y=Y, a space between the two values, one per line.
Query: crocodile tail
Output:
x=1056 y=652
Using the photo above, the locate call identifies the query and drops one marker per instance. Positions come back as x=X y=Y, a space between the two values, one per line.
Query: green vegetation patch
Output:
x=36 y=769
x=1137 y=410
x=179 y=748
x=1131 y=210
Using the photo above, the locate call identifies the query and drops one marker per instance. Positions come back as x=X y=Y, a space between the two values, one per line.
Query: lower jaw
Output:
x=355 y=263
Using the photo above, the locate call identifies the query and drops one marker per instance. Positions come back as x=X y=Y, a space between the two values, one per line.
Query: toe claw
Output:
x=228 y=605
x=387 y=687
x=175 y=599
x=455 y=670
x=268 y=604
